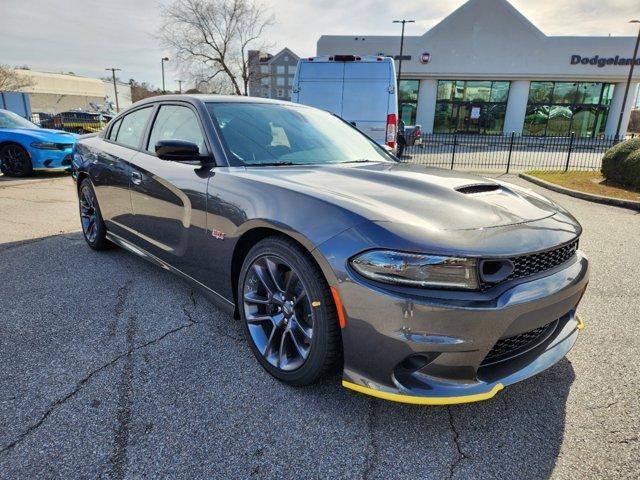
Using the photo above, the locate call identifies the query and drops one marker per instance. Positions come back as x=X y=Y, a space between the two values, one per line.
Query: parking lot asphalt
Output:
x=113 y=368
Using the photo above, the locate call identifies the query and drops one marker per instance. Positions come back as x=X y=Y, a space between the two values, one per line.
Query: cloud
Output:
x=86 y=36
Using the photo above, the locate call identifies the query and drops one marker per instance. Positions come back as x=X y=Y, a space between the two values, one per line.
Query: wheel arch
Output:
x=4 y=143
x=252 y=236
x=81 y=176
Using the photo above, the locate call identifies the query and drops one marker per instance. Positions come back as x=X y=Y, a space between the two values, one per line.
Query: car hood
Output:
x=412 y=194
x=43 y=134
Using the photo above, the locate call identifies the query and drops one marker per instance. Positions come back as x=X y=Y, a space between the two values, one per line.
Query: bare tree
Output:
x=215 y=36
x=10 y=81
x=141 y=90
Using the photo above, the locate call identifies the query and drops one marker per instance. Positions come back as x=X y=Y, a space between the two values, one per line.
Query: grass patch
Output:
x=588 y=182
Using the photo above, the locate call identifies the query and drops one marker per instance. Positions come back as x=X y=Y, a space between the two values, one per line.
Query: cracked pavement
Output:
x=113 y=368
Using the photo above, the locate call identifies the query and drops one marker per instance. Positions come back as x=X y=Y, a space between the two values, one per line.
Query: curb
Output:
x=616 y=202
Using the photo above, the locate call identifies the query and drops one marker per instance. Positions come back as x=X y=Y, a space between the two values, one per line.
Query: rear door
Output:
x=320 y=85
x=365 y=97
x=111 y=169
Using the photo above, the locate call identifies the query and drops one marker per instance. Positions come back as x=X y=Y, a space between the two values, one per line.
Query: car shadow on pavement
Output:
x=36 y=176
x=115 y=358
x=516 y=434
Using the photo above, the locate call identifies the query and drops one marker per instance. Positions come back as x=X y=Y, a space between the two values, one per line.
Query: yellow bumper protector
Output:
x=53 y=170
x=415 y=400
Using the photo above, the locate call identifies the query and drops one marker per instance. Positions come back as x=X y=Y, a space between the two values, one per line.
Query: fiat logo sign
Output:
x=425 y=57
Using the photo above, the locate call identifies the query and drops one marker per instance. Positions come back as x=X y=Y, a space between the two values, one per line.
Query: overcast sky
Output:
x=85 y=36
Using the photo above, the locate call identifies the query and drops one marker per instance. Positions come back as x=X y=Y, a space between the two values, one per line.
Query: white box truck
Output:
x=360 y=90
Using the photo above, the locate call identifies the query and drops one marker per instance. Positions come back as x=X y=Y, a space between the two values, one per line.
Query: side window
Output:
x=132 y=127
x=174 y=122
x=114 y=130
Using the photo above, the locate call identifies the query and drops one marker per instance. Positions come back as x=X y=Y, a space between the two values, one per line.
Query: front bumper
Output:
x=51 y=160
x=430 y=349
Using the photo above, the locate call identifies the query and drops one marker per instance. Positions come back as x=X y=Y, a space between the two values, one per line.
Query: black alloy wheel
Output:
x=93 y=227
x=288 y=313
x=15 y=161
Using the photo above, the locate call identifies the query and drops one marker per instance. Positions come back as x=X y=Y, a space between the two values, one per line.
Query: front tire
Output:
x=93 y=227
x=288 y=313
x=15 y=161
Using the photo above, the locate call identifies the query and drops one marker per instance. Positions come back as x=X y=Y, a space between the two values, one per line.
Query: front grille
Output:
x=509 y=347
x=527 y=265
x=539 y=262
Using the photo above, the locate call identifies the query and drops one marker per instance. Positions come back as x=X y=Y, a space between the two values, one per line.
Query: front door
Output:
x=169 y=198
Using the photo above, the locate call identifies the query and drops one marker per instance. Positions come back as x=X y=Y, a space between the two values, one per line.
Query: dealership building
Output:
x=487 y=69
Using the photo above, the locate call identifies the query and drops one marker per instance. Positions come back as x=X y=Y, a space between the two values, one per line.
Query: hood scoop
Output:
x=478 y=188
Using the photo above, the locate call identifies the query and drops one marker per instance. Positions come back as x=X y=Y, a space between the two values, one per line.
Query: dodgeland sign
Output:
x=602 y=61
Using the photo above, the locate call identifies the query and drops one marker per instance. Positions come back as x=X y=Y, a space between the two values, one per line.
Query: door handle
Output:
x=136 y=178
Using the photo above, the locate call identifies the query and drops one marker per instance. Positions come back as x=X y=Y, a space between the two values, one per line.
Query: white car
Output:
x=360 y=90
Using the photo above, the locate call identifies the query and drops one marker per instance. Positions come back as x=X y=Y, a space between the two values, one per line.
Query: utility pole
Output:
x=115 y=87
x=179 y=86
x=403 y=22
x=626 y=89
x=164 y=59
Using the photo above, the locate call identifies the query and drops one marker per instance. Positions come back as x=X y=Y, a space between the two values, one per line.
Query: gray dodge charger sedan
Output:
x=421 y=285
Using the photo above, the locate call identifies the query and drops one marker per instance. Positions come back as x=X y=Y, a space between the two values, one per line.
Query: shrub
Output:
x=621 y=164
x=632 y=169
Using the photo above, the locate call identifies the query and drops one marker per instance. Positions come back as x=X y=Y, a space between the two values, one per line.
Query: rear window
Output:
x=132 y=127
x=114 y=130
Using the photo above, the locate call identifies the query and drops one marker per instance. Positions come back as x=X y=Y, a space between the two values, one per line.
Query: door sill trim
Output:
x=225 y=304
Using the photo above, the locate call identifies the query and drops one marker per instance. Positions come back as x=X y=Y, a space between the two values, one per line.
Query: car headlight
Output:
x=45 y=145
x=433 y=271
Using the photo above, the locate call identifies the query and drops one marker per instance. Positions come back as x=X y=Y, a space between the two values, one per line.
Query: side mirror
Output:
x=177 y=150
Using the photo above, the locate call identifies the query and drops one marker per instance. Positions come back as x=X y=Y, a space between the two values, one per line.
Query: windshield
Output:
x=11 y=120
x=268 y=134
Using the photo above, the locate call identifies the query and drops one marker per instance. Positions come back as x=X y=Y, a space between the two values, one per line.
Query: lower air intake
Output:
x=510 y=347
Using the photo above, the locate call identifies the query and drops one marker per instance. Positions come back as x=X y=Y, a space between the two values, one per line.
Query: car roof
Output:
x=208 y=98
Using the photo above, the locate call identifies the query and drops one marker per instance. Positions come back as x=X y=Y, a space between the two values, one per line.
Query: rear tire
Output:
x=93 y=228
x=15 y=161
x=287 y=312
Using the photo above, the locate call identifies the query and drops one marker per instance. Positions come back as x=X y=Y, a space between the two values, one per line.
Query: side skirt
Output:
x=217 y=299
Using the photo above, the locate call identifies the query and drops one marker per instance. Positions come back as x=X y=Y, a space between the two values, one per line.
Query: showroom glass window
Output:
x=408 y=101
x=471 y=106
x=557 y=109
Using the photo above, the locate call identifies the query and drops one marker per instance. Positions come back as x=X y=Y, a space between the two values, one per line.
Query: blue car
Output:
x=25 y=147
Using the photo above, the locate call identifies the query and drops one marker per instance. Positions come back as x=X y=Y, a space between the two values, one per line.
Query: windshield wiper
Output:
x=272 y=164
x=360 y=160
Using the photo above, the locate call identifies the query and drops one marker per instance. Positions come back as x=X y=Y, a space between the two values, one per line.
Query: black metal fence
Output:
x=509 y=153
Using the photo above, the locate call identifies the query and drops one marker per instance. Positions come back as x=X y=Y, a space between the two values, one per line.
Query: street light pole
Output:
x=115 y=87
x=403 y=22
x=164 y=59
x=179 y=86
x=626 y=89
